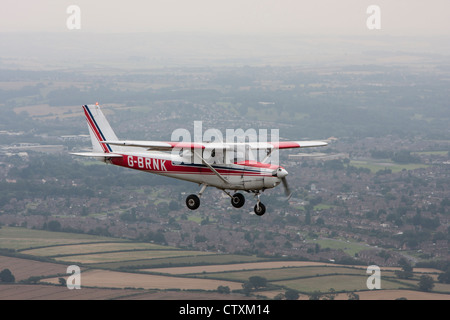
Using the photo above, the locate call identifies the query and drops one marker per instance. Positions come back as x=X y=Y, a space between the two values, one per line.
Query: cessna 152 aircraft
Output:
x=188 y=161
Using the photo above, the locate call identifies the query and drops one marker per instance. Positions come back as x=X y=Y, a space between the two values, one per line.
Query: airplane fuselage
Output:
x=246 y=176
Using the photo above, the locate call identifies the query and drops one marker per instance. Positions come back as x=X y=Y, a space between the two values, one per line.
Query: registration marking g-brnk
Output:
x=147 y=163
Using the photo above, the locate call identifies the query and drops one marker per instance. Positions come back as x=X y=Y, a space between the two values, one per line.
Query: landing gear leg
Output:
x=259 y=209
x=193 y=201
x=237 y=199
x=202 y=189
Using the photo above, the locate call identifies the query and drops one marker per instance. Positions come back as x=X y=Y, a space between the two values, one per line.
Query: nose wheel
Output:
x=259 y=208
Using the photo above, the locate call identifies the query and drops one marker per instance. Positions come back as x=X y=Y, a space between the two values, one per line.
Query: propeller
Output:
x=282 y=173
x=287 y=190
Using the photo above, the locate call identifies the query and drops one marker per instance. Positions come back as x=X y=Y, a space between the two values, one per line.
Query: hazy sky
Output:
x=345 y=17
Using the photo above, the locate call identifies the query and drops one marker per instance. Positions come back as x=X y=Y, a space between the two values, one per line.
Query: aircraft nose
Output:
x=281 y=173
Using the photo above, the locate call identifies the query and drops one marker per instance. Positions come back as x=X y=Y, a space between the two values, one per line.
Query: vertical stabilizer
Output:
x=99 y=128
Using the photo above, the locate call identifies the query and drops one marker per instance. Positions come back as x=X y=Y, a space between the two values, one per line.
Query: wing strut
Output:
x=211 y=168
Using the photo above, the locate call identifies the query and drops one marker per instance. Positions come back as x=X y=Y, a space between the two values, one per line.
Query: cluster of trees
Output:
x=443 y=265
x=401 y=156
x=7 y=276
x=257 y=282
x=426 y=282
x=8 y=96
x=154 y=237
x=254 y=283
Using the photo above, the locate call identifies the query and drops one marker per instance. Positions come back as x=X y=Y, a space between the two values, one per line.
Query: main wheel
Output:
x=238 y=200
x=193 y=202
x=260 y=209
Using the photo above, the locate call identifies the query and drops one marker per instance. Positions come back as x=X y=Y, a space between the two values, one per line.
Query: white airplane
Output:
x=194 y=162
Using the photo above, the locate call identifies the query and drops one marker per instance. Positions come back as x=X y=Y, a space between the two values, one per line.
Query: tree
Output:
x=426 y=283
x=128 y=216
x=317 y=248
x=54 y=225
x=308 y=218
x=62 y=282
x=200 y=238
x=257 y=282
x=330 y=295
x=279 y=296
x=315 y=295
x=320 y=222
x=7 y=276
x=404 y=156
x=407 y=269
x=223 y=289
x=247 y=287
x=291 y=294
x=353 y=296
x=444 y=277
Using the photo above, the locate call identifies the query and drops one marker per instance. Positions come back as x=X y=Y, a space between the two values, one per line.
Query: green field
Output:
x=22 y=238
x=316 y=278
x=375 y=166
x=191 y=260
x=119 y=256
x=90 y=248
x=435 y=153
x=282 y=273
x=348 y=247
x=337 y=283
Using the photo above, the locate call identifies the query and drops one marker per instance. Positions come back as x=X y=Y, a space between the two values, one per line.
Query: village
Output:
x=387 y=212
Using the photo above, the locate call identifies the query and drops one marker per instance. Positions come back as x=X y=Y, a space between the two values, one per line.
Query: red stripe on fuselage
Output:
x=166 y=166
x=256 y=164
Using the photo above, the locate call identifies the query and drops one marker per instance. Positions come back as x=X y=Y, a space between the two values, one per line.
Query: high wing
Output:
x=298 y=144
x=167 y=146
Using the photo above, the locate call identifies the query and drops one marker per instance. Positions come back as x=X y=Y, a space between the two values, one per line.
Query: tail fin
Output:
x=99 y=128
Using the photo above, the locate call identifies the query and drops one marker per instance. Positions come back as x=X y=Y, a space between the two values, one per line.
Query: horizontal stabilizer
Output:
x=153 y=145
x=97 y=154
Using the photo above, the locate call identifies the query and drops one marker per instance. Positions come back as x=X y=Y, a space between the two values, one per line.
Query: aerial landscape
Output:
x=377 y=195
